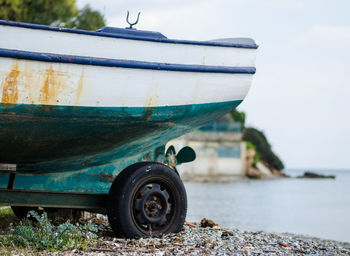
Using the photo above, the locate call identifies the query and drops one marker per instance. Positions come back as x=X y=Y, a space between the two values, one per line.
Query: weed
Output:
x=41 y=234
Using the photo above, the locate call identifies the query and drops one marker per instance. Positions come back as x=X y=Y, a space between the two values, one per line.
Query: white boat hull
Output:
x=35 y=82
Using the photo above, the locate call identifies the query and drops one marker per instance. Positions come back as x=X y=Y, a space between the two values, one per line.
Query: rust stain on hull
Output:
x=152 y=101
x=54 y=87
x=80 y=86
x=28 y=82
x=148 y=113
x=9 y=86
x=106 y=177
x=48 y=92
x=29 y=76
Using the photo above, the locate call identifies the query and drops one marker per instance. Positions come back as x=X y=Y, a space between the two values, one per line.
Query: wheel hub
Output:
x=152 y=208
x=152 y=205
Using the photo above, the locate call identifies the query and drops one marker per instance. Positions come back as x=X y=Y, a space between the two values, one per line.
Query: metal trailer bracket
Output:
x=87 y=201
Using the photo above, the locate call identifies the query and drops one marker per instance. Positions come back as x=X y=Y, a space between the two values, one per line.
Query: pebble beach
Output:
x=216 y=240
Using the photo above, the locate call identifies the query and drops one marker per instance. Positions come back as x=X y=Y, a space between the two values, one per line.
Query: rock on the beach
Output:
x=207 y=223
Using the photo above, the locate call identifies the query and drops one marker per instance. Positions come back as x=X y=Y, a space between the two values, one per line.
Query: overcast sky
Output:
x=300 y=93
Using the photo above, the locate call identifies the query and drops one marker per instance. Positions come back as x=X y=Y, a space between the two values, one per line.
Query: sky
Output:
x=300 y=93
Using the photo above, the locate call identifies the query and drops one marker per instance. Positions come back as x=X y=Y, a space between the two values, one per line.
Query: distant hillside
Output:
x=263 y=147
x=258 y=139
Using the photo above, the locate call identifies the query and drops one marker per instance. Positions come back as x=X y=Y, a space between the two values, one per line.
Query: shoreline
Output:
x=204 y=238
x=196 y=240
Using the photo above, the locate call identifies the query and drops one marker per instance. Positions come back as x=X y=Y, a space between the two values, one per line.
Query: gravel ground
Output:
x=196 y=240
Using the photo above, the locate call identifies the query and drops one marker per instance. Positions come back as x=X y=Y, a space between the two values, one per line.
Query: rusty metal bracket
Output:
x=11 y=180
x=11 y=169
x=8 y=167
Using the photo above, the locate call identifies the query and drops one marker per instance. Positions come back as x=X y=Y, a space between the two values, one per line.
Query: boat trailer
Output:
x=145 y=197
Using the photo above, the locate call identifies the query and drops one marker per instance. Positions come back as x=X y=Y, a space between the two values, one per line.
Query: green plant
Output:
x=38 y=11
x=239 y=116
x=250 y=145
x=87 y=19
x=55 y=13
x=41 y=234
x=257 y=155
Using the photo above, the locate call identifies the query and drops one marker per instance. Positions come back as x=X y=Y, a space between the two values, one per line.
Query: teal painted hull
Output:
x=82 y=149
x=41 y=139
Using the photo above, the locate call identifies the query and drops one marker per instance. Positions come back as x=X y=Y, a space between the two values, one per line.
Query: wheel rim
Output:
x=153 y=207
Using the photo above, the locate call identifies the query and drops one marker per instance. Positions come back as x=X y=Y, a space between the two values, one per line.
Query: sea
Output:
x=314 y=207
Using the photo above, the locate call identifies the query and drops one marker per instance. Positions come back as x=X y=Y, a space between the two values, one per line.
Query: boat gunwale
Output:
x=126 y=36
x=121 y=63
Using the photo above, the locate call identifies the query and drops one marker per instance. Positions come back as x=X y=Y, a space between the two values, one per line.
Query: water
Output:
x=316 y=207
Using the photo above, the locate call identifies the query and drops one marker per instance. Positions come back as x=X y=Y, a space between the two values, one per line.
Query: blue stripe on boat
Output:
x=126 y=35
x=50 y=57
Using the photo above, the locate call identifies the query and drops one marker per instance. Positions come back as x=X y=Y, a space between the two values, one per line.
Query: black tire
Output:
x=149 y=200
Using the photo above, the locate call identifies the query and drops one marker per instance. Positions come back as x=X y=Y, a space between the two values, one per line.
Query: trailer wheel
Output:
x=150 y=200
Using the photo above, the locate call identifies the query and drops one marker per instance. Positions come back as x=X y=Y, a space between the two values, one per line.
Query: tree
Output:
x=238 y=117
x=49 y=12
x=87 y=19
x=38 y=11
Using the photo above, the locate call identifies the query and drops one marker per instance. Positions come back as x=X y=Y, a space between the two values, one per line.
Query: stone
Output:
x=207 y=223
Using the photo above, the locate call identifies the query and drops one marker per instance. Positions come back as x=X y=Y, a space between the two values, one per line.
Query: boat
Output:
x=79 y=107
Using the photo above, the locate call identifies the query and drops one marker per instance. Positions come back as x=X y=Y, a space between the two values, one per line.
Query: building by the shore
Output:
x=221 y=154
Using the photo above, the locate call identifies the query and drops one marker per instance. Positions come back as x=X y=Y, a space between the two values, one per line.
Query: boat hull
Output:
x=76 y=100
x=41 y=138
x=58 y=116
